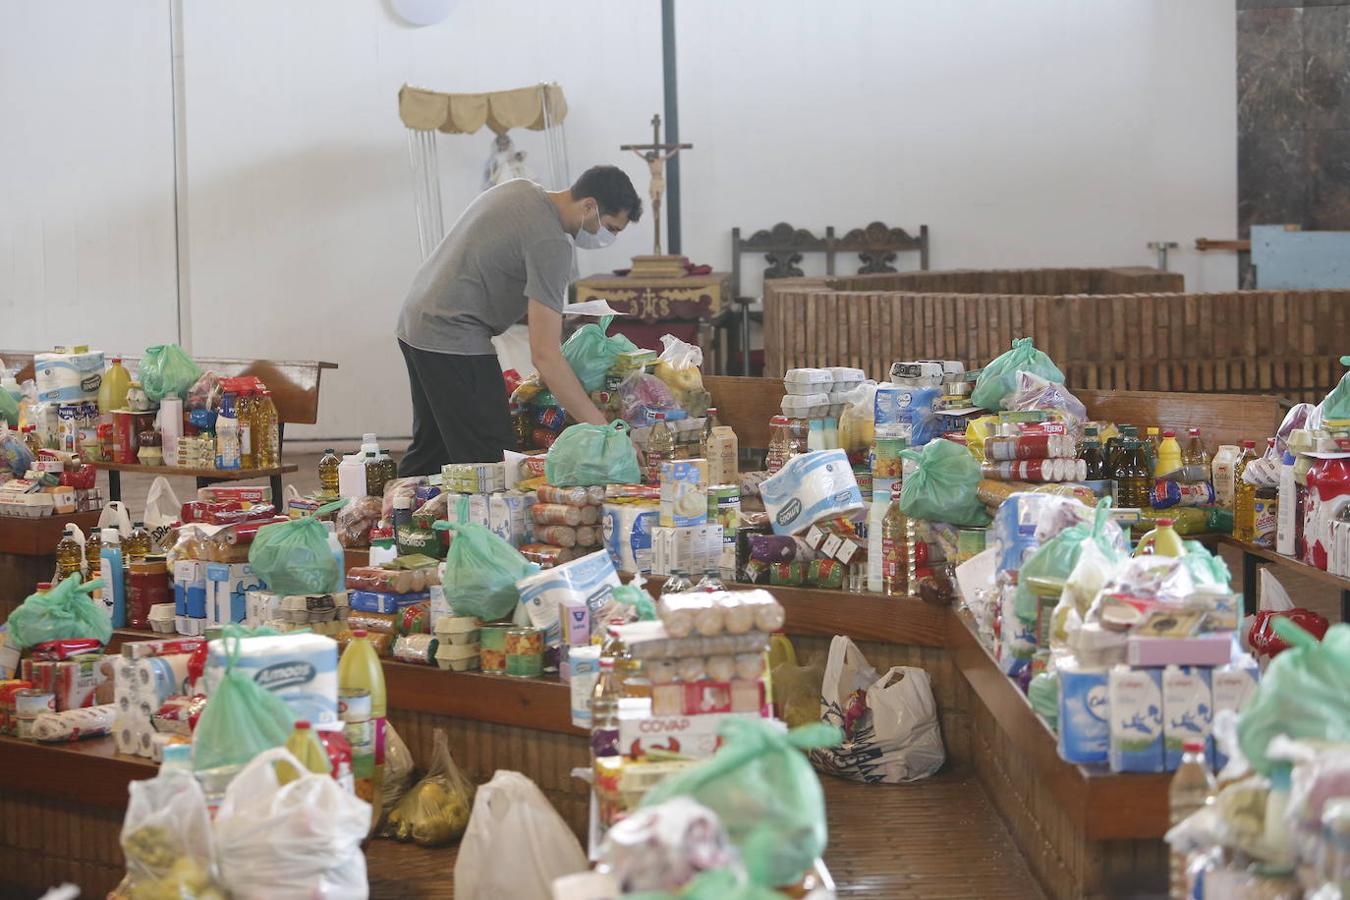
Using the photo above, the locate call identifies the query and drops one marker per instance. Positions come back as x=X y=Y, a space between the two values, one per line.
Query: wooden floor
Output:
x=939 y=838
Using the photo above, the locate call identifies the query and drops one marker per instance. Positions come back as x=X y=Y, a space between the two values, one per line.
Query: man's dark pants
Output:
x=460 y=411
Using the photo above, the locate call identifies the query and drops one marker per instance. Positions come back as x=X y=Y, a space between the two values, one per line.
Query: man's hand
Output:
x=554 y=370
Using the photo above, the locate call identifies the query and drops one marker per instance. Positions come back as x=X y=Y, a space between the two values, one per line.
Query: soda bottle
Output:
x=112 y=393
x=780 y=448
x=328 y=472
x=266 y=433
x=709 y=423
x=243 y=414
x=677 y=583
x=360 y=669
x=1090 y=451
x=1244 y=496
x=1195 y=453
x=1134 y=483
x=1169 y=455
x=605 y=711
x=69 y=555
x=305 y=746
x=1192 y=788
x=894 y=550
x=660 y=448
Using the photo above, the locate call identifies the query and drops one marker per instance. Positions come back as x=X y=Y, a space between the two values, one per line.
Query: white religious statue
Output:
x=505 y=162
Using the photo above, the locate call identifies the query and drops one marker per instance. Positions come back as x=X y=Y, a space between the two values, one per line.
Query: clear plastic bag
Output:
x=436 y=810
x=399 y=771
x=641 y=394
x=593 y=455
x=664 y=847
x=591 y=352
x=1054 y=561
x=355 y=520
x=1036 y=393
x=205 y=392
x=293 y=557
x=763 y=789
x=166 y=839
x=298 y=840
x=857 y=423
x=999 y=379
x=942 y=487
x=166 y=370
x=63 y=612
x=678 y=365
x=15 y=455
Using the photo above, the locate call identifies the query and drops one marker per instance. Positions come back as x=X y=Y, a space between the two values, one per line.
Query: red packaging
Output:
x=124 y=445
x=233 y=493
x=512 y=379
x=76 y=682
x=543 y=438
x=43 y=676
x=1327 y=480
x=551 y=417
x=179 y=715
x=55 y=651
x=1263 y=640
x=83 y=477
x=167 y=647
x=533 y=466
x=193 y=511
x=340 y=757
x=707 y=697
x=148 y=585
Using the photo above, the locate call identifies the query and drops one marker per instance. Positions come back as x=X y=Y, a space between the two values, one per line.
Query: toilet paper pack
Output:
x=63 y=376
x=300 y=668
x=809 y=488
x=591 y=579
x=627 y=529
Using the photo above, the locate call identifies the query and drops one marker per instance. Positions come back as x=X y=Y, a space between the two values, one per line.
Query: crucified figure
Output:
x=655 y=155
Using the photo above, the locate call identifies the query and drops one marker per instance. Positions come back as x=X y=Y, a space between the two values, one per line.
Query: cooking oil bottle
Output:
x=895 y=550
x=1134 y=481
x=69 y=555
x=138 y=544
x=93 y=561
x=660 y=448
x=1195 y=453
x=328 y=472
x=1244 y=496
x=266 y=433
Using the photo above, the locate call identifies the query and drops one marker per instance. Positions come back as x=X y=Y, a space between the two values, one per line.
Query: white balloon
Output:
x=422 y=12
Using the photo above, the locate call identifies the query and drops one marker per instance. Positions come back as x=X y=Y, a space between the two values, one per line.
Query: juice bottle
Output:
x=1195 y=453
x=1192 y=788
x=780 y=449
x=328 y=472
x=304 y=744
x=1134 y=483
x=114 y=577
x=709 y=423
x=1244 y=496
x=660 y=448
x=69 y=555
x=266 y=431
x=894 y=550
x=112 y=393
x=360 y=669
x=1169 y=454
x=1161 y=541
x=1090 y=451
x=244 y=407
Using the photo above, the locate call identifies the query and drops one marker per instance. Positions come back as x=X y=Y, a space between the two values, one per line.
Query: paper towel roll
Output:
x=809 y=488
x=591 y=579
x=628 y=536
x=159 y=677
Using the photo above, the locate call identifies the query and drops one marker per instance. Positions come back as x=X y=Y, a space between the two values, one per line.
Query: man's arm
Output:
x=546 y=354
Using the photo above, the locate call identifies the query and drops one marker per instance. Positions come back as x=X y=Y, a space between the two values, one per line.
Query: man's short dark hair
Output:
x=611 y=188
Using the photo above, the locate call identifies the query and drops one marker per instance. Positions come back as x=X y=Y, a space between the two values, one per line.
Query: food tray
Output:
x=806 y=406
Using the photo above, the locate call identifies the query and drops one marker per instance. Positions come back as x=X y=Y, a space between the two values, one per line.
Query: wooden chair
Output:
x=783 y=247
x=295 y=393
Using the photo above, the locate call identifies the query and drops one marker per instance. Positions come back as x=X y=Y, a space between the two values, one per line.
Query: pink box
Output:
x=1204 y=650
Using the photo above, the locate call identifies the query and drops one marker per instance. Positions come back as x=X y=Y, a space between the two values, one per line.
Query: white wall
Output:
x=86 y=175
x=1038 y=133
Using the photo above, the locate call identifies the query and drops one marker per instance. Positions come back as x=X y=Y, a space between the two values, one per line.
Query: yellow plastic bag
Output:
x=436 y=810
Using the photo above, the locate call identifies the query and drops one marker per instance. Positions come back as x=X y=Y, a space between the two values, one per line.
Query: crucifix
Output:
x=655 y=155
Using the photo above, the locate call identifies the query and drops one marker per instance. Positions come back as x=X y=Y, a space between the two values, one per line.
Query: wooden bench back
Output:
x=747 y=404
x=294 y=384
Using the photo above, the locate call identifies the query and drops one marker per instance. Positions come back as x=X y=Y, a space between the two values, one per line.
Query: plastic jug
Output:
x=1328 y=493
x=359 y=669
x=114 y=578
x=1169 y=454
x=112 y=393
x=352 y=476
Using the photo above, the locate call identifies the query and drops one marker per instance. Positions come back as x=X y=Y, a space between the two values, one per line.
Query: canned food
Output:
x=492 y=648
x=29 y=703
x=524 y=652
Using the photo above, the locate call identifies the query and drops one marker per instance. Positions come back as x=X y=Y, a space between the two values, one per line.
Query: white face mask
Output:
x=594 y=240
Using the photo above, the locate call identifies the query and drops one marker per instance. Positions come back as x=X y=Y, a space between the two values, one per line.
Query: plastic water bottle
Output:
x=1192 y=787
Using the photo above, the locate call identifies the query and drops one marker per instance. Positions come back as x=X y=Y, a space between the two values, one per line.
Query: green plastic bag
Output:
x=481 y=571
x=9 y=409
x=1054 y=560
x=762 y=787
x=1336 y=405
x=1206 y=568
x=636 y=597
x=293 y=557
x=1305 y=694
x=1043 y=692
x=592 y=353
x=167 y=371
x=942 y=489
x=592 y=454
x=63 y=612
x=241 y=719
x=999 y=378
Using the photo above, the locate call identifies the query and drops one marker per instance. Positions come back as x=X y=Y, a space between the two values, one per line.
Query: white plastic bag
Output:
x=299 y=840
x=115 y=515
x=166 y=837
x=162 y=509
x=890 y=722
x=516 y=843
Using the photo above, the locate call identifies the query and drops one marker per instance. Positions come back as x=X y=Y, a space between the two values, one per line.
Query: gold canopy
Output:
x=533 y=107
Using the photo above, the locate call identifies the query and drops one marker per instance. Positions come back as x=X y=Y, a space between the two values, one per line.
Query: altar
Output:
x=650 y=306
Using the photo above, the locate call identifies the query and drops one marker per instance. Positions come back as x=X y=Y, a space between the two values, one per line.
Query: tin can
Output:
x=525 y=652
x=29 y=703
x=354 y=705
x=492 y=648
x=724 y=508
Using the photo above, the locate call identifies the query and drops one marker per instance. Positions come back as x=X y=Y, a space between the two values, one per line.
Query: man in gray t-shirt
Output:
x=509 y=254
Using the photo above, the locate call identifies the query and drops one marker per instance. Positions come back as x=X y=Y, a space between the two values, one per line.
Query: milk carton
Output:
x=1136 y=723
x=1223 y=469
x=1232 y=685
x=696 y=548
x=227 y=587
x=507 y=514
x=1188 y=710
x=1084 y=730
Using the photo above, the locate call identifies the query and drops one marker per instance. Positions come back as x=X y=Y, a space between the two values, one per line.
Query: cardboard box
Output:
x=1136 y=710
x=381 y=602
x=696 y=548
x=1188 y=711
x=684 y=493
x=1201 y=650
x=695 y=736
x=227 y=586
x=189 y=587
